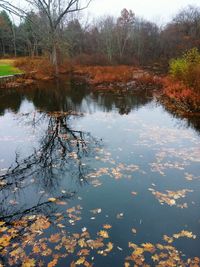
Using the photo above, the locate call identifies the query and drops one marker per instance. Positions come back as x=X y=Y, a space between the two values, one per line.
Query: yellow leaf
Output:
x=148 y=247
x=82 y=243
x=36 y=249
x=5 y=240
x=109 y=247
x=16 y=252
x=168 y=239
x=80 y=261
x=52 y=263
x=28 y=263
x=52 y=199
x=155 y=257
x=138 y=251
x=103 y=234
x=132 y=245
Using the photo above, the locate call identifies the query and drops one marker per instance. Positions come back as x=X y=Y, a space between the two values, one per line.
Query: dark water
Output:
x=74 y=163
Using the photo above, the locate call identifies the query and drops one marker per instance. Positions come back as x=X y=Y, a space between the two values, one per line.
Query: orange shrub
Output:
x=107 y=74
x=179 y=92
x=41 y=68
x=37 y=67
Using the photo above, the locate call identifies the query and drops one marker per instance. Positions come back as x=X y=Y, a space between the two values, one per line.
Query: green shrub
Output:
x=192 y=56
x=187 y=68
x=178 y=68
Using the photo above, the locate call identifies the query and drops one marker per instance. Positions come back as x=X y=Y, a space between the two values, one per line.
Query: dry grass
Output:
x=107 y=74
x=40 y=68
x=9 y=61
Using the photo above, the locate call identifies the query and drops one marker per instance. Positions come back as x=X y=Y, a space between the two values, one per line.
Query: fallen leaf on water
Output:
x=168 y=239
x=52 y=199
x=132 y=245
x=134 y=193
x=54 y=238
x=107 y=226
x=82 y=243
x=61 y=203
x=103 y=234
x=138 y=251
x=148 y=247
x=83 y=252
x=134 y=231
x=184 y=233
x=109 y=247
x=80 y=261
x=52 y=263
x=28 y=263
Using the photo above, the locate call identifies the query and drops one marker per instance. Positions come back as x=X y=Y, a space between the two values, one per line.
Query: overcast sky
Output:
x=154 y=10
x=159 y=11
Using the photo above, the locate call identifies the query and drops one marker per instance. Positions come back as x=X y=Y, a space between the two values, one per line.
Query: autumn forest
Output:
x=99 y=136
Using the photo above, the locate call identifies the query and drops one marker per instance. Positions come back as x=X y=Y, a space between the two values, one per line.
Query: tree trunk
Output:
x=14 y=40
x=54 y=53
x=55 y=58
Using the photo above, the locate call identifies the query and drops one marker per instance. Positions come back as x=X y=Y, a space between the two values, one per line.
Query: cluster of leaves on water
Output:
x=160 y=254
x=28 y=239
x=50 y=247
x=171 y=197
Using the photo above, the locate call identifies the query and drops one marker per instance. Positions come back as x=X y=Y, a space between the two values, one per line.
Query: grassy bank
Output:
x=7 y=67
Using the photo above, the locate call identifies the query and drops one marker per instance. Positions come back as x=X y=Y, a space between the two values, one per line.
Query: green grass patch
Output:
x=7 y=69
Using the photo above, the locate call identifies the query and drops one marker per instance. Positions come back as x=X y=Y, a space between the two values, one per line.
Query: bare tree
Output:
x=124 y=26
x=54 y=12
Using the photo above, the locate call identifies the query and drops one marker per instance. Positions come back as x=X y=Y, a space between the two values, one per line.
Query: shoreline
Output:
x=121 y=79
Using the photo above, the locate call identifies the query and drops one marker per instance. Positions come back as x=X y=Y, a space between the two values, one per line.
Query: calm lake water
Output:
x=96 y=179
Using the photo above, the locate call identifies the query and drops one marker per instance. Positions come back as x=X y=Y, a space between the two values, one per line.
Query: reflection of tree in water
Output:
x=60 y=155
x=190 y=120
x=30 y=191
x=124 y=102
x=65 y=95
x=10 y=100
x=60 y=95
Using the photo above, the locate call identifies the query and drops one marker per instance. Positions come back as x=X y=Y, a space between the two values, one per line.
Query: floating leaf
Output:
x=80 y=261
x=52 y=199
x=134 y=231
x=103 y=234
x=107 y=226
x=28 y=263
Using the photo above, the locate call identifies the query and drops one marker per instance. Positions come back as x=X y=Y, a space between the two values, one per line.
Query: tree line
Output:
x=126 y=39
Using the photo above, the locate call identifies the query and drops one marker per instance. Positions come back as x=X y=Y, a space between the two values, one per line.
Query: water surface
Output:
x=96 y=179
